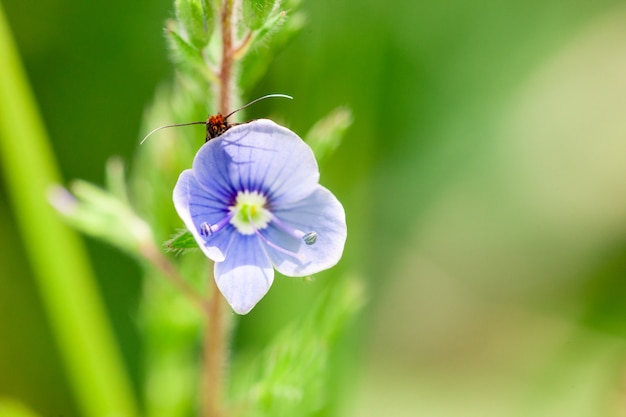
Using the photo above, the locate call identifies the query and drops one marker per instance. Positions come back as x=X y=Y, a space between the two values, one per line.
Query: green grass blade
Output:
x=58 y=259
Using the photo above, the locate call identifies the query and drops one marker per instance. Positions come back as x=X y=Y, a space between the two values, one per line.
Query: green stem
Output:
x=58 y=258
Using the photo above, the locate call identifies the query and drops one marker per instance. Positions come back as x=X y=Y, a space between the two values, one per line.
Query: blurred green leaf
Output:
x=256 y=12
x=325 y=136
x=197 y=19
x=101 y=214
x=188 y=56
x=264 y=43
x=116 y=180
x=293 y=376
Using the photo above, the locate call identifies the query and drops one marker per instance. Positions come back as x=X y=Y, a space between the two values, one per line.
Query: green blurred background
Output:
x=484 y=180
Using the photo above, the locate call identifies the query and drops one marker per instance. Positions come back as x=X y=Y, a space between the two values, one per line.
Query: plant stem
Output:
x=227 y=57
x=214 y=355
x=240 y=49
x=156 y=257
x=214 y=352
x=73 y=305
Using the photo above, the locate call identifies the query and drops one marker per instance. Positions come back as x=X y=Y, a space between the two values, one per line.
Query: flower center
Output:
x=249 y=216
x=249 y=213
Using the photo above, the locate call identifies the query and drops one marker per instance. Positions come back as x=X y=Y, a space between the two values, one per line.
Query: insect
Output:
x=216 y=124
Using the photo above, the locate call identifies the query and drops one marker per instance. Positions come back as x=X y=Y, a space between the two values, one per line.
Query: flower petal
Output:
x=246 y=274
x=194 y=206
x=320 y=212
x=211 y=167
x=259 y=156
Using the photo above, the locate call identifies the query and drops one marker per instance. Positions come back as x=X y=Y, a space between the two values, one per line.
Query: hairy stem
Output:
x=240 y=49
x=226 y=68
x=214 y=351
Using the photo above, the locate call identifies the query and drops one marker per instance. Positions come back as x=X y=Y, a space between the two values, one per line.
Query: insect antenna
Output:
x=257 y=100
x=168 y=126
x=216 y=124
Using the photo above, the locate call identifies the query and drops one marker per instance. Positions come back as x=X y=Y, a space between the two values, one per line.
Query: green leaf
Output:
x=116 y=179
x=264 y=43
x=325 y=136
x=256 y=12
x=197 y=18
x=101 y=214
x=181 y=241
x=188 y=56
x=295 y=375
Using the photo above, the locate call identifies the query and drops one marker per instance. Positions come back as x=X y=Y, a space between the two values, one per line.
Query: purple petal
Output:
x=246 y=274
x=194 y=206
x=211 y=167
x=320 y=212
x=259 y=155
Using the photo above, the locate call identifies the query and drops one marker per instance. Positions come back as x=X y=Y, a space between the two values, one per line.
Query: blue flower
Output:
x=253 y=202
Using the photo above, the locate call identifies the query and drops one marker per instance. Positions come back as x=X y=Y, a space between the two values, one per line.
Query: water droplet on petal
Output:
x=310 y=238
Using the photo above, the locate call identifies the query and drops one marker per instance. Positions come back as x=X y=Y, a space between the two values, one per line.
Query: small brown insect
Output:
x=216 y=124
